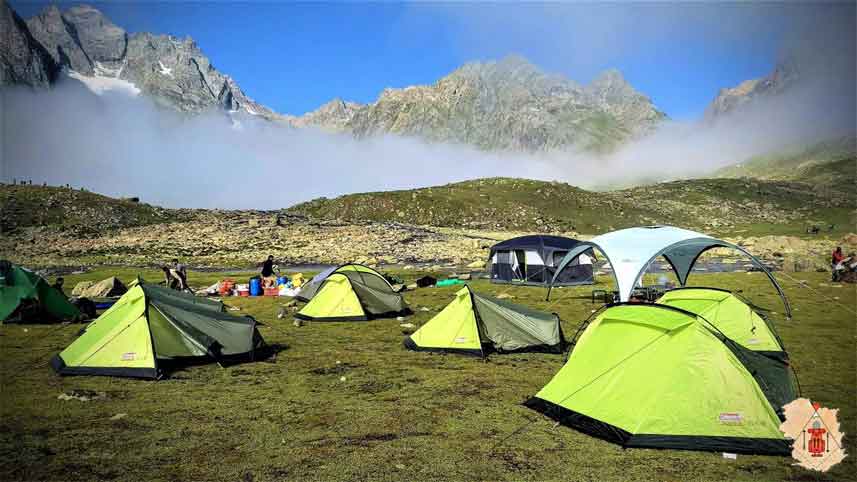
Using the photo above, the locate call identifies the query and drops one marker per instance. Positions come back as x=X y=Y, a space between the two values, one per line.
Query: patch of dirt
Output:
x=335 y=369
x=377 y=386
x=515 y=462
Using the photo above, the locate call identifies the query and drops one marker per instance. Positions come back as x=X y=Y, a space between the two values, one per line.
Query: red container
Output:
x=272 y=292
x=226 y=286
x=243 y=292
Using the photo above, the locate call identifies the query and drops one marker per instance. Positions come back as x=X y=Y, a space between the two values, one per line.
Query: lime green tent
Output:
x=730 y=314
x=472 y=323
x=351 y=292
x=656 y=376
x=151 y=327
x=738 y=322
x=27 y=297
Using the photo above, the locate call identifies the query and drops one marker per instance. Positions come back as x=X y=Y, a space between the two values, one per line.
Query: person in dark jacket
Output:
x=269 y=278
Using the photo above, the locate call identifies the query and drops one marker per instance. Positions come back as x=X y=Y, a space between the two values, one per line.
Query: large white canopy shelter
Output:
x=630 y=252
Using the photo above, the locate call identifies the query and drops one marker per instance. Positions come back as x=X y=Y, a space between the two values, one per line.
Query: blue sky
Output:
x=294 y=57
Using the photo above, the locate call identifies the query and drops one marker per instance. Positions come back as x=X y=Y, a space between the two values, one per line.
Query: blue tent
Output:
x=532 y=260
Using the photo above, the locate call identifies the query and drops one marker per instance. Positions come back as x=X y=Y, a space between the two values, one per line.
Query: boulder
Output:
x=476 y=264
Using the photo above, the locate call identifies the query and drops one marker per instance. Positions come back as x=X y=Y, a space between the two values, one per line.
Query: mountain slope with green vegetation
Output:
x=828 y=165
x=71 y=209
x=723 y=206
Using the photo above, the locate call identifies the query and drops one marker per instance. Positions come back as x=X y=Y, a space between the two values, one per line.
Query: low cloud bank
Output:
x=125 y=145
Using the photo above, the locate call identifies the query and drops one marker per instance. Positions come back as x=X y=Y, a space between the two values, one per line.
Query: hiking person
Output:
x=836 y=263
x=269 y=279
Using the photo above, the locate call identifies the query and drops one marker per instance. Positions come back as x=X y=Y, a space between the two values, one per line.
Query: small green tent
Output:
x=350 y=293
x=473 y=323
x=152 y=325
x=657 y=376
x=730 y=314
x=27 y=297
x=738 y=322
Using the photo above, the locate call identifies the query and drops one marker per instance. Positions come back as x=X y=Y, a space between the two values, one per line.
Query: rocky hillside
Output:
x=722 y=206
x=509 y=104
x=49 y=226
x=80 y=212
x=23 y=60
x=173 y=71
x=828 y=165
x=732 y=99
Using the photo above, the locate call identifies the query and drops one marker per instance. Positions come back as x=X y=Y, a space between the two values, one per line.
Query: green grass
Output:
x=717 y=206
x=398 y=415
x=87 y=212
x=828 y=165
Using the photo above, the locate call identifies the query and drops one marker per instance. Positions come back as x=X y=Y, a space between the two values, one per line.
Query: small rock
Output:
x=424 y=308
x=400 y=318
x=341 y=379
x=476 y=264
x=464 y=276
x=119 y=416
x=400 y=466
x=407 y=325
x=298 y=323
x=408 y=267
x=504 y=296
x=82 y=395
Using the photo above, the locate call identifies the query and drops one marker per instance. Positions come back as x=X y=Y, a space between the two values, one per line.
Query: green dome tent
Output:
x=351 y=292
x=473 y=322
x=737 y=321
x=730 y=314
x=150 y=326
x=27 y=297
x=657 y=376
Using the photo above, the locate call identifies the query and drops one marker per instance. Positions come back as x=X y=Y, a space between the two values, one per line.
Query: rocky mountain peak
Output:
x=60 y=39
x=22 y=59
x=98 y=36
x=785 y=74
x=174 y=72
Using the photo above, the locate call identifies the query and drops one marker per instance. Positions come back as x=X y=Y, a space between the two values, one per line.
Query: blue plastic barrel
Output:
x=255 y=287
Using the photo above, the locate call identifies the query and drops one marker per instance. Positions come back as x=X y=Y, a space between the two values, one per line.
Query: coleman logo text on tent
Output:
x=733 y=418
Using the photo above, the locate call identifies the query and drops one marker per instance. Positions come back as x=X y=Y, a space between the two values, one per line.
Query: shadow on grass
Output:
x=267 y=353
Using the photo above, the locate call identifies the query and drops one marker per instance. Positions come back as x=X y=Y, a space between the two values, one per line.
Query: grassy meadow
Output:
x=398 y=415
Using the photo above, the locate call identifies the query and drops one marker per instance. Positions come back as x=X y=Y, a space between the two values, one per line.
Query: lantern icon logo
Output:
x=817 y=441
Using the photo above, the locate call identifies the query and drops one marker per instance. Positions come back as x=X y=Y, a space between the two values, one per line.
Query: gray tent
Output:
x=351 y=292
x=474 y=323
x=105 y=288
